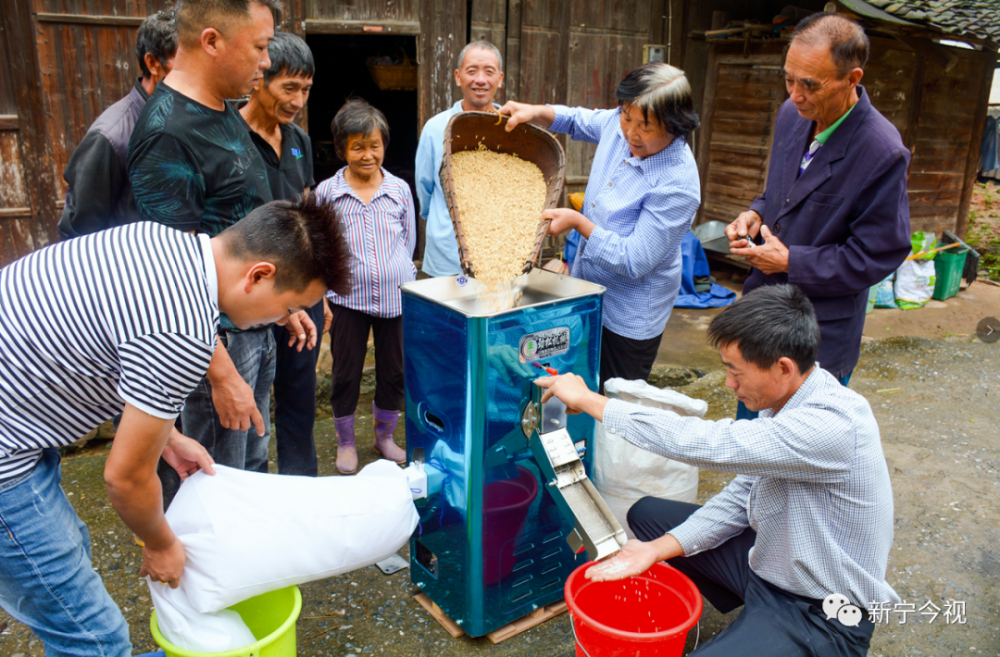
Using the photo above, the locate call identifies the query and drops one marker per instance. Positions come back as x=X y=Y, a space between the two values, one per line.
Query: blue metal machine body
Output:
x=492 y=543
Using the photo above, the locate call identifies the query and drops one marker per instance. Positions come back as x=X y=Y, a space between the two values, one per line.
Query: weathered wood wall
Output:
x=937 y=110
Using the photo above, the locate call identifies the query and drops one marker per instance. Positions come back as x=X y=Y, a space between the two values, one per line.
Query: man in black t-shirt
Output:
x=194 y=167
x=287 y=153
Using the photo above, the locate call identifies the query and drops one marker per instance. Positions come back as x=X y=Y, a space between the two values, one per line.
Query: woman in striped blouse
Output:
x=377 y=210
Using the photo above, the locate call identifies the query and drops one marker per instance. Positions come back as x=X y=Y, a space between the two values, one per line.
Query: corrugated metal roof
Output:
x=978 y=18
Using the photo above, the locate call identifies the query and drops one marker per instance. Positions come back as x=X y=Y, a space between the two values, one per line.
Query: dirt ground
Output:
x=935 y=390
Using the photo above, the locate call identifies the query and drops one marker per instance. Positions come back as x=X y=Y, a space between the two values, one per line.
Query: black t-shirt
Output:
x=294 y=171
x=193 y=167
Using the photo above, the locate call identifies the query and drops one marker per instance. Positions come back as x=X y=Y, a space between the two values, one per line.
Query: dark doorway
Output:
x=342 y=72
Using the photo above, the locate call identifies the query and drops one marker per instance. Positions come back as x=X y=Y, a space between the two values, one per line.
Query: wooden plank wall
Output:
x=937 y=112
x=742 y=97
x=86 y=57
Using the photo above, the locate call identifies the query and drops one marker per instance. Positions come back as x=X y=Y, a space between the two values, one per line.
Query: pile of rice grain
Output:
x=500 y=198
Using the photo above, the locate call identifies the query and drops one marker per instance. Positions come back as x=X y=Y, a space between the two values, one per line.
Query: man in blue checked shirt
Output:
x=641 y=197
x=810 y=512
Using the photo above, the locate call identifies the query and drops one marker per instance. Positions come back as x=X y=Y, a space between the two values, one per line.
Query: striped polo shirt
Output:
x=124 y=315
x=382 y=236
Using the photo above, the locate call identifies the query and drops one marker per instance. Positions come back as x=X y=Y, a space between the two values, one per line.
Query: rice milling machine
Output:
x=510 y=509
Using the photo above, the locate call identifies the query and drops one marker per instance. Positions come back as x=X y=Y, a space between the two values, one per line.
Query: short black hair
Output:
x=769 y=323
x=354 y=118
x=849 y=45
x=304 y=239
x=290 y=55
x=194 y=16
x=663 y=90
x=158 y=37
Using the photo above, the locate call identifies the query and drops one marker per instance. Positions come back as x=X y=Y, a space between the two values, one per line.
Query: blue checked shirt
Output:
x=811 y=481
x=643 y=207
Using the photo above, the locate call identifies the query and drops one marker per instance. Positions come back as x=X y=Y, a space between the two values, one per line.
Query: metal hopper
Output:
x=466 y=131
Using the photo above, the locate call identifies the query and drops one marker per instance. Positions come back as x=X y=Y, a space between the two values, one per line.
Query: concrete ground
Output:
x=934 y=388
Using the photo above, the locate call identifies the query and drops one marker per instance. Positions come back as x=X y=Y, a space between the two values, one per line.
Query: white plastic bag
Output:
x=247 y=533
x=624 y=473
x=189 y=629
x=914 y=284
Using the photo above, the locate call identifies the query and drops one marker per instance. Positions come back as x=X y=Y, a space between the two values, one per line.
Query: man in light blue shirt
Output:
x=806 y=526
x=479 y=75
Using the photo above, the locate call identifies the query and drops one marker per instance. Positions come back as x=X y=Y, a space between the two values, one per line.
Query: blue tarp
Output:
x=696 y=264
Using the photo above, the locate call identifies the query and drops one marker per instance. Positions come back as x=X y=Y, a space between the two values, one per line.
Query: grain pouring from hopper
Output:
x=501 y=197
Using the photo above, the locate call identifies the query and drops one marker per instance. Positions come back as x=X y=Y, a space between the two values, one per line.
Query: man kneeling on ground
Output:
x=810 y=512
x=126 y=321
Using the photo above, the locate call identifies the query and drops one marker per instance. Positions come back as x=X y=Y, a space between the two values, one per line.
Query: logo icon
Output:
x=462 y=281
x=839 y=607
x=297 y=153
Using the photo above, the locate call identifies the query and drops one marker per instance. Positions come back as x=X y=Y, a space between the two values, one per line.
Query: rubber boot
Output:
x=347 y=455
x=385 y=425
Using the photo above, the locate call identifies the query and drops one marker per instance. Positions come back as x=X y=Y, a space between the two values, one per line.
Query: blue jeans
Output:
x=46 y=578
x=253 y=354
x=743 y=413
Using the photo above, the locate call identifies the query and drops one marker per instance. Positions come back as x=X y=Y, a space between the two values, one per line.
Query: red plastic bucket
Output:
x=644 y=616
x=507 y=502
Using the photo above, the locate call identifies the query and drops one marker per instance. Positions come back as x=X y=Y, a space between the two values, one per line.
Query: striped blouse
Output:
x=124 y=315
x=382 y=236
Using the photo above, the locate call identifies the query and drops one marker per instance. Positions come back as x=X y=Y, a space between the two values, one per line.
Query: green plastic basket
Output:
x=270 y=616
x=948 y=267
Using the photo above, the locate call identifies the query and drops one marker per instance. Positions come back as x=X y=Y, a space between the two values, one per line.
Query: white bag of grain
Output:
x=247 y=533
x=624 y=473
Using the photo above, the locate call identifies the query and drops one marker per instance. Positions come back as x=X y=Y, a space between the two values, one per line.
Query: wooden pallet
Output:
x=513 y=628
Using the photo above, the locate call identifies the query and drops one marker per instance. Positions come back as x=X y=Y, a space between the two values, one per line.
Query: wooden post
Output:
x=978 y=125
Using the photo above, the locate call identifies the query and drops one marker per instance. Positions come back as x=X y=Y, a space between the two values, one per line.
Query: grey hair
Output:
x=357 y=117
x=290 y=55
x=480 y=45
x=849 y=45
x=158 y=37
x=664 y=91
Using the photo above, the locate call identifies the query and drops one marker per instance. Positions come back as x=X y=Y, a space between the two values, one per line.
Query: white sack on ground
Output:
x=624 y=473
x=247 y=533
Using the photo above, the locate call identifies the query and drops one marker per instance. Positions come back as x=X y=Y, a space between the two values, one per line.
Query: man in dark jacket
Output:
x=834 y=219
x=98 y=192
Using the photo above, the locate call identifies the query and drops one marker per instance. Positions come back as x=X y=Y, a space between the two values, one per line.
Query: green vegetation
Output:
x=984 y=228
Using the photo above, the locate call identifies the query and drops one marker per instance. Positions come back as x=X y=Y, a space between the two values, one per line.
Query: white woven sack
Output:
x=247 y=533
x=624 y=473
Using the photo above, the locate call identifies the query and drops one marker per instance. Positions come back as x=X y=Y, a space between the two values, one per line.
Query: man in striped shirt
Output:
x=130 y=319
x=810 y=512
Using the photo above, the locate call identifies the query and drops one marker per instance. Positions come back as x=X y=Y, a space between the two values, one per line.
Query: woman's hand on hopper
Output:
x=564 y=219
x=518 y=113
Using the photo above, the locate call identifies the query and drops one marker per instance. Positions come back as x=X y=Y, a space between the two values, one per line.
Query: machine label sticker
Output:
x=544 y=344
x=462 y=281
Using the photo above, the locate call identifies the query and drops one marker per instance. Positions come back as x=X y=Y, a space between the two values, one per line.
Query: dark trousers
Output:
x=774 y=622
x=625 y=358
x=295 y=401
x=349 y=345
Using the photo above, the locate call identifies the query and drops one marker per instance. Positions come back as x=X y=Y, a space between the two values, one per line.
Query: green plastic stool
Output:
x=270 y=616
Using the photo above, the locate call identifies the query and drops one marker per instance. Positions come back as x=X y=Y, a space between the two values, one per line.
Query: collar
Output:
x=340 y=187
x=823 y=136
x=805 y=391
x=457 y=108
x=141 y=89
x=650 y=166
x=211 y=275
